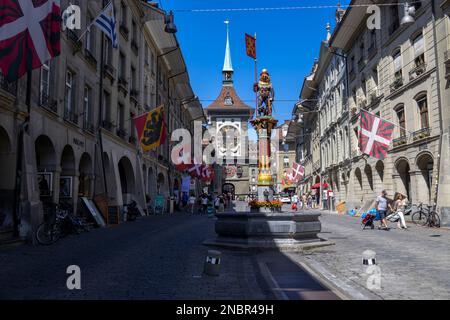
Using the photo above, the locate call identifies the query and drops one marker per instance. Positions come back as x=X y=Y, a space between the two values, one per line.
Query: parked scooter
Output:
x=131 y=211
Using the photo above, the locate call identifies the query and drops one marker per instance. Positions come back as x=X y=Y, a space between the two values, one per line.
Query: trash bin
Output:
x=212 y=263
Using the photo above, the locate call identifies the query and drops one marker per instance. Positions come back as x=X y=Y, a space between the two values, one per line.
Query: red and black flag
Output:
x=375 y=135
x=250 y=44
x=30 y=33
x=151 y=128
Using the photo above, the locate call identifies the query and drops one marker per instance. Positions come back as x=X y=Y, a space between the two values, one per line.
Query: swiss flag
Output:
x=30 y=33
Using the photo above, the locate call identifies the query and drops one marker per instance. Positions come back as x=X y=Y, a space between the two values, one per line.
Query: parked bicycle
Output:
x=60 y=222
x=426 y=217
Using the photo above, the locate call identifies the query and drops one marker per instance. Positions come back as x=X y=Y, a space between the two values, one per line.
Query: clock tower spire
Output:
x=227 y=70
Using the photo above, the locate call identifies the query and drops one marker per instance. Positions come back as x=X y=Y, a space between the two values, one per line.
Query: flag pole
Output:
x=92 y=22
x=256 y=77
x=100 y=139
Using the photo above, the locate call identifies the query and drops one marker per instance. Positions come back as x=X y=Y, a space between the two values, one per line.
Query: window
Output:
x=123 y=10
x=106 y=107
x=398 y=65
x=87 y=107
x=419 y=52
x=228 y=101
x=121 y=117
x=131 y=124
x=400 y=111
x=134 y=31
x=133 y=78
x=108 y=52
x=69 y=94
x=423 y=110
x=44 y=87
x=394 y=17
x=122 y=66
x=90 y=37
x=146 y=60
x=361 y=50
x=373 y=39
x=286 y=162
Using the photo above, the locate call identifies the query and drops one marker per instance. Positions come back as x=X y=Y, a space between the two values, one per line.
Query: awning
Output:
x=317 y=186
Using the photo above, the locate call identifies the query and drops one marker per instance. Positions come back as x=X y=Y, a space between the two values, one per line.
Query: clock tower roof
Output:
x=228 y=101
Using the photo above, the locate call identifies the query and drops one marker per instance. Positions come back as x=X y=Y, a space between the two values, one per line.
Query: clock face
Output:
x=229 y=136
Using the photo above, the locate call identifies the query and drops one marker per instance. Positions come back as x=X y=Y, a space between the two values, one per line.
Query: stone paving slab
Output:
x=158 y=257
x=414 y=263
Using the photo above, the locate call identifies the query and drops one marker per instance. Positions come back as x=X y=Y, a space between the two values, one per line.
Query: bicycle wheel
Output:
x=47 y=234
x=420 y=218
x=435 y=221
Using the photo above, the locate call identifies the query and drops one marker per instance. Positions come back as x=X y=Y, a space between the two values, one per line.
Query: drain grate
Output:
x=435 y=235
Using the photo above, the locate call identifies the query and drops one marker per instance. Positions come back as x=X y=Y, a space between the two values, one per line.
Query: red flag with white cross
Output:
x=30 y=33
x=298 y=171
x=375 y=135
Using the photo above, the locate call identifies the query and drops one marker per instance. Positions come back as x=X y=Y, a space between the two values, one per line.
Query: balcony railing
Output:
x=417 y=71
x=124 y=30
x=71 y=116
x=109 y=71
x=90 y=58
x=351 y=74
x=10 y=87
x=393 y=27
x=134 y=46
x=46 y=102
x=421 y=134
x=73 y=37
x=132 y=140
x=107 y=125
x=88 y=126
x=400 y=141
x=398 y=82
x=123 y=85
x=134 y=95
x=361 y=64
x=122 y=133
x=372 y=51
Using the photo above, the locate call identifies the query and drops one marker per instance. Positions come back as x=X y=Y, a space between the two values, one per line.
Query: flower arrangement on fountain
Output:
x=275 y=204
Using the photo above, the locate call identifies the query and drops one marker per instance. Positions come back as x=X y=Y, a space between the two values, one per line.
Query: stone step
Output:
x=6 y=234
x=7 y=238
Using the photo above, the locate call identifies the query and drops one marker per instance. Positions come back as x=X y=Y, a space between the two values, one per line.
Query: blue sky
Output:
x=287 y=43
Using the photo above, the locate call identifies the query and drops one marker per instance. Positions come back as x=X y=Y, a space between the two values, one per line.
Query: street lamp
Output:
x=170 y=25
x=408 y=17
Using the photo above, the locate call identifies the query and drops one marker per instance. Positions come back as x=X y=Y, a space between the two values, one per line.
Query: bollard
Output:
x=212 y=263
x=368 y=259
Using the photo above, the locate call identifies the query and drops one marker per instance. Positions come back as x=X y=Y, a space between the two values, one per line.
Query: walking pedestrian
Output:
x=382 y=206
x=400 y=206
x=217 y=203
x=204 y=203
x=192 y=201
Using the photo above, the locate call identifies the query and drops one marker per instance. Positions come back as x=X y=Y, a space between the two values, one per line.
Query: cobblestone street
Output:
x=158 y=257
x=414 y=263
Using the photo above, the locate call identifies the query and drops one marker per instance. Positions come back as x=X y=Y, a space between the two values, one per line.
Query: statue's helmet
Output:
x=264 y=76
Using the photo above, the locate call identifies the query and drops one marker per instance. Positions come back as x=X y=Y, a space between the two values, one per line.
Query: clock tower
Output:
x=228 y=116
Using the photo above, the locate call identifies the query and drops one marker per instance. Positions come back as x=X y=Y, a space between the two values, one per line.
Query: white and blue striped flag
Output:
x=106 y=21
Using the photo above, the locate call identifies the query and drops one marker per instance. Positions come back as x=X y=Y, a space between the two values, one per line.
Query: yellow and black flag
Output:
x=151 y=129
